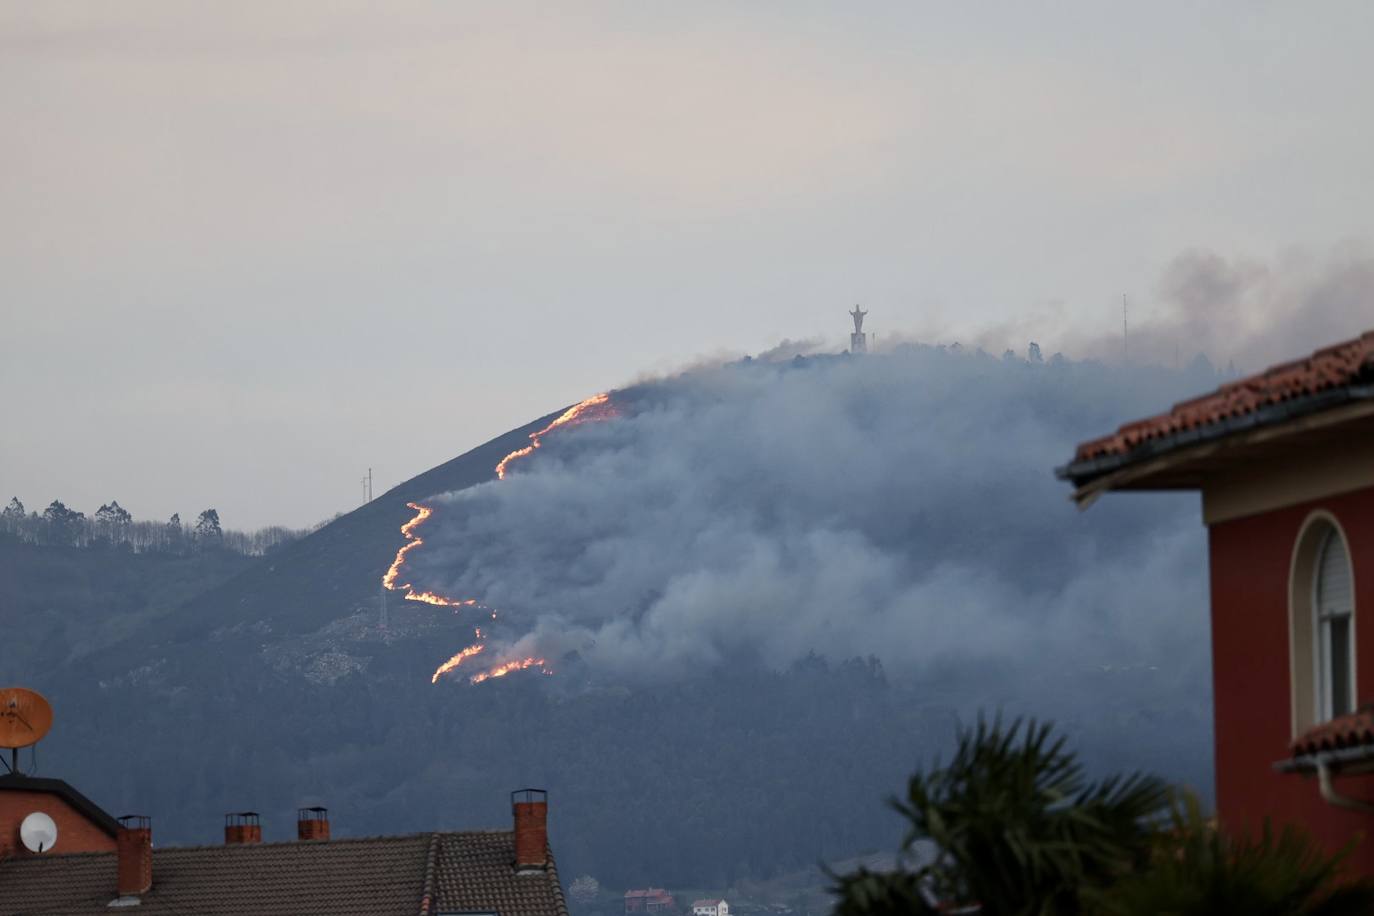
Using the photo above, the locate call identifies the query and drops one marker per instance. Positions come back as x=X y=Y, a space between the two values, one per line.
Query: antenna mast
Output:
x=1125 y=332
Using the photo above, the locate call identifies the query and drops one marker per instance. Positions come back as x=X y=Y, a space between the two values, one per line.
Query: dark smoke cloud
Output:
x=899 y=505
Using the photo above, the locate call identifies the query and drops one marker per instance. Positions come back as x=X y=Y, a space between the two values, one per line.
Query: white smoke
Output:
x=900 y=505
x=1233 y=310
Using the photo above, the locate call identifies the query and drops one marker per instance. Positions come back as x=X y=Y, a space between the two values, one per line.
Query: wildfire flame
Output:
x=413 y=540
x=596 y=407
x=593 y=409
x=457 y=660
x=508 y=667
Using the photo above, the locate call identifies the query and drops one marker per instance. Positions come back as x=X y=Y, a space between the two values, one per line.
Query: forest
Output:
x=112 y=526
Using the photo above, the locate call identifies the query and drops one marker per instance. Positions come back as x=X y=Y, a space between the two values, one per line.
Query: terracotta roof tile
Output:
x=1335 y=366
x=1355 y=729
x=380 y=875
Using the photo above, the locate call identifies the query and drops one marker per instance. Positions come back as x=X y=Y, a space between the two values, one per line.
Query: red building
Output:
x=96 y=862
x=1284 y=462
x=649 y=900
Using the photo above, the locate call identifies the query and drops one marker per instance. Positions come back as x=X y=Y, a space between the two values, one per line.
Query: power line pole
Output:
x=367 y=487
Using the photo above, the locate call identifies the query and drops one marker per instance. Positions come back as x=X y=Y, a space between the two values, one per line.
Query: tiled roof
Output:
x=1355 y=729
x=647 y=892
x=402 y=875
x=474 y=873
x=1336 y=366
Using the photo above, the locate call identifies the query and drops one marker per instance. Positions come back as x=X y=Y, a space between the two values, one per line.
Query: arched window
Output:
x=1322 y=624
x=1333 y=601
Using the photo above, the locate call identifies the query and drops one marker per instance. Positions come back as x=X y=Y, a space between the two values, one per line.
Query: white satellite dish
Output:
x=38 y=832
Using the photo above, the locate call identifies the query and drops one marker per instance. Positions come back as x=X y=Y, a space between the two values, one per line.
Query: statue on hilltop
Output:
x=858 y=316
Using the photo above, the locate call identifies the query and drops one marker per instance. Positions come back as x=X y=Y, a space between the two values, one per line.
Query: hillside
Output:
x=276 y=687
x=59 y=605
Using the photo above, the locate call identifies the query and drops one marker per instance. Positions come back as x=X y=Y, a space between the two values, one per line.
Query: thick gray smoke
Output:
x=900 y=505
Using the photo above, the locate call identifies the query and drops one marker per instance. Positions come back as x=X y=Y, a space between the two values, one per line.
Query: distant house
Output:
x=1284 y=461
x=710 y=908
x=649 y=900
x=98 y=862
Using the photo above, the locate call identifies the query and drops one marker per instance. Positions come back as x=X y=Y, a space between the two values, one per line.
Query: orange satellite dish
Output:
x=25 y=717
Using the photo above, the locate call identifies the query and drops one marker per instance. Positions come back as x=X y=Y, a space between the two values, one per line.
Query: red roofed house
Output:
x=649 y=900
x=710 y=908
x=1284 y=461
x=93 y=862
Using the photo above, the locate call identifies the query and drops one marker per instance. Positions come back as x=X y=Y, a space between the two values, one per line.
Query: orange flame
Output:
x=431 y=598
x=596 y=407
x=508 y=667
x=412 y=541
x=457 y=660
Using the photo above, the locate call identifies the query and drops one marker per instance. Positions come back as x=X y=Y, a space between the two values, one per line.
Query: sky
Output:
x=248 y=251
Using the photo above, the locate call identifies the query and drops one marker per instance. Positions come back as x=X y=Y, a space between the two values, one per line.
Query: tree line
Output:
x=113 y=526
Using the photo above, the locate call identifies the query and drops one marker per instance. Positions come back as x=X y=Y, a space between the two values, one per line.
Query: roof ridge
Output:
x=334 y=841
x=1343 y=365
x=551 y=869
x=431 y=868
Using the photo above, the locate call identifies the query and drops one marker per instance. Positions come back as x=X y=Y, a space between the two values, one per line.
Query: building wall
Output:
x=1250 y=562
x=74 y=832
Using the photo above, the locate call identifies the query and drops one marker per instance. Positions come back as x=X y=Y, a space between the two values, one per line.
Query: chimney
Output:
x=531 y=810
x=312 y=823
x=134 y=849
x=242 y=828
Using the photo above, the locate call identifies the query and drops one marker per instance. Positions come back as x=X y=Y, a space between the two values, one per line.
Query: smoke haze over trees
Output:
x=900 y=506
x=1224 y=309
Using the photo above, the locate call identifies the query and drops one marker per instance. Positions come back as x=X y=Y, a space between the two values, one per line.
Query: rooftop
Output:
x=1172 y=450
x=90 y=810
x=427 y=873
x=1352 y=730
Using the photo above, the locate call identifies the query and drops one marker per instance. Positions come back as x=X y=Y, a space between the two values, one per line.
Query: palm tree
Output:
x=1018 y=827
x=1198 y=871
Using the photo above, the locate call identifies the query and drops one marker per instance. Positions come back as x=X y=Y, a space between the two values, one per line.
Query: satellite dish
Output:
x=25 y=717
x=38 y=832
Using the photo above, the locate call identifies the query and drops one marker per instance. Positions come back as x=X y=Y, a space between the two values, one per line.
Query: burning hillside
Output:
x=897 y=506
x=596 y=408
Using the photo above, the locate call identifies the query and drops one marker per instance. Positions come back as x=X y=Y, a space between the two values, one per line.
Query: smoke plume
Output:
x=1238 y=311
x=900 y=505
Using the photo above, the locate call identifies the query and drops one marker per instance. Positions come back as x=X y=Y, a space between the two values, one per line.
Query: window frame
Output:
x=1310 y=697
x=1322 y=666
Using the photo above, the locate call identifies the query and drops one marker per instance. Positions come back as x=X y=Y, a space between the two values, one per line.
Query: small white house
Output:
x=710 y=908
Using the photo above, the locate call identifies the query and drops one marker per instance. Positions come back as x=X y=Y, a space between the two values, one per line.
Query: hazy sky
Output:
x=249 y=250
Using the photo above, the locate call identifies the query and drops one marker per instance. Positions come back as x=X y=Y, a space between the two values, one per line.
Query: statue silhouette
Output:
x=858 y=316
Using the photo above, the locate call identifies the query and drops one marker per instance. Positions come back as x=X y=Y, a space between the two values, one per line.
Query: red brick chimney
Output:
x=134 y=848
x=531 y=810
x=242 y=828
x=312 y=823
